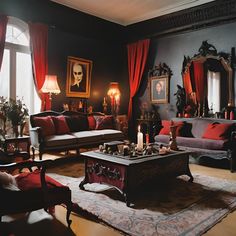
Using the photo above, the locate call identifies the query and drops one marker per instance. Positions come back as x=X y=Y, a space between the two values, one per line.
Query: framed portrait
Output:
x=78 y=77
x=159 y=86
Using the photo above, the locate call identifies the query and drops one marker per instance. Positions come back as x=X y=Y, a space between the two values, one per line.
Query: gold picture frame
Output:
x=78 y=77
x=159 y=89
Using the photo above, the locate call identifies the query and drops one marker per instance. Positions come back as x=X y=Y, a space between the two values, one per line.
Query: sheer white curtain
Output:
x=16 y=77
x=213 y=84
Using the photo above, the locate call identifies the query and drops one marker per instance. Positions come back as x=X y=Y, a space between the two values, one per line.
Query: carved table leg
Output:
x=127 y=199
x=82 y=183
x=189 y=174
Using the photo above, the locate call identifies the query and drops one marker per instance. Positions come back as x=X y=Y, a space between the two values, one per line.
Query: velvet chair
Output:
x=31 y=190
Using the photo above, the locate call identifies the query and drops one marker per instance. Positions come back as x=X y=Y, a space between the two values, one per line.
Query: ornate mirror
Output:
x=207 y=79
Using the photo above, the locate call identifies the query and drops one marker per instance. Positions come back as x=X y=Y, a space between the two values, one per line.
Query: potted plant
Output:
x=16 y=112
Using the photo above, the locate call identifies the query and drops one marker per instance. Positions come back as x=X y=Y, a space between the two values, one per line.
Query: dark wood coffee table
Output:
x=127 y=174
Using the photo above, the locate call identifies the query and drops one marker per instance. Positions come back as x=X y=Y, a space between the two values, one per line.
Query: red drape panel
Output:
x=3 y=27
x=137 y=57
x=200 y=80
x=187 y=83
x=39 y=47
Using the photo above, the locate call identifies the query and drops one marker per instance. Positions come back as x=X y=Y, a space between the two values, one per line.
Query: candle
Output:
x=147 y=139
x=139 y=140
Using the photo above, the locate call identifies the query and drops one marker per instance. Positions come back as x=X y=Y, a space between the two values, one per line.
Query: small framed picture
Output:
x=159 y=89
x=78 y=77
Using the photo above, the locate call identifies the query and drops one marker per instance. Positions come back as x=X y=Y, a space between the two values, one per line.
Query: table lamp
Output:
x=114 y=93
x=50 y=85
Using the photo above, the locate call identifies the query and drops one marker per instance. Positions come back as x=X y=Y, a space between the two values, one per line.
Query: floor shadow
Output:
x=34 y=223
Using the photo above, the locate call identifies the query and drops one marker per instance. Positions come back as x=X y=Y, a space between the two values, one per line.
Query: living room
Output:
x=101 y=46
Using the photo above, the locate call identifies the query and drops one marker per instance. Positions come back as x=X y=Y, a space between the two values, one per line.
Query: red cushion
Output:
x=106 y=122
x=217 y=131
x=60 y=125
x=47 y=125
x=31 y=180
x=92 y=122
x=166 y=127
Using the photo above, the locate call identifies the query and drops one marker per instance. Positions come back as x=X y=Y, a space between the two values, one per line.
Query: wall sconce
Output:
x=114 y=93
x=50 y=85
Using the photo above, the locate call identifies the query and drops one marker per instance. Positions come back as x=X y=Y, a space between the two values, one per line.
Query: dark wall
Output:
x=73 y=33
x=171 y=50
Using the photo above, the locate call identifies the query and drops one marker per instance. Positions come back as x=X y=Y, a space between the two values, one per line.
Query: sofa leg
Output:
x=78 y=152
x=33 y=152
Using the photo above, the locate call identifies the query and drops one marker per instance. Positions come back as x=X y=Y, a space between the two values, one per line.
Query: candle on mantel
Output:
x=147 y=139
x=139 y=140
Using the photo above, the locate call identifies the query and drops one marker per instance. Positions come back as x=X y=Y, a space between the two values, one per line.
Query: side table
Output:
x=16 y=146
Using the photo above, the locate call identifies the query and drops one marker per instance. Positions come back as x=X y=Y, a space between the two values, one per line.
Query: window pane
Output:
x=5 y=74
x=24 y=82
x=16 y=36
x=213 y=84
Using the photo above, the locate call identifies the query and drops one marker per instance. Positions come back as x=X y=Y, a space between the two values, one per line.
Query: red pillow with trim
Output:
x=47 y=125
x=31 y=180
x=106 y=122
x=166 y=127
x=217 y=131
x=91 y=122
x=60 y=125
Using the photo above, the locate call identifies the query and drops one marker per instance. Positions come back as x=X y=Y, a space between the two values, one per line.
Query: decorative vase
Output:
x=22 y=126
x=15 y=130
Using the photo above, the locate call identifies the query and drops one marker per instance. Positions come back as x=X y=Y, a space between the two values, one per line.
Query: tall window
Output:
x=213 y=84
x=16 y=77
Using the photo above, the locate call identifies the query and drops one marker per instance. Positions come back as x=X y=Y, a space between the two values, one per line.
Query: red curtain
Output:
x=200 y=80
x=3 y=28
x=39 y=47
x=187 y=83
x=137 y=57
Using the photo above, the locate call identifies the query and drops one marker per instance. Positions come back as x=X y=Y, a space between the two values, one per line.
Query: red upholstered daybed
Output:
x=203 y=136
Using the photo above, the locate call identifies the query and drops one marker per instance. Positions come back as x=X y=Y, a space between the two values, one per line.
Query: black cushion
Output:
x=77 y=123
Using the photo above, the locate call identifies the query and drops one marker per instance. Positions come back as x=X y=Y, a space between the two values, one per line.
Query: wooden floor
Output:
x=43 y=224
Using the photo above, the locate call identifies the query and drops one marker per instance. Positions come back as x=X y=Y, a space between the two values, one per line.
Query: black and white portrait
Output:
x=78 y=77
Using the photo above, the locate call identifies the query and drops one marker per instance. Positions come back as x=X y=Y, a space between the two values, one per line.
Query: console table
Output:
x=127 y=174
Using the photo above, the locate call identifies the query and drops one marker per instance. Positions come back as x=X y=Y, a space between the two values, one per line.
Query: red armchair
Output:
x=29 y=191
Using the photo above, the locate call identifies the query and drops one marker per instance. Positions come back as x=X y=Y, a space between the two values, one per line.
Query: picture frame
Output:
x=159 y=86
x=78 y=77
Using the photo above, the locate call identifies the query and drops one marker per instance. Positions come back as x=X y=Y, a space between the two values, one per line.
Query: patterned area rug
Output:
x=175 y=207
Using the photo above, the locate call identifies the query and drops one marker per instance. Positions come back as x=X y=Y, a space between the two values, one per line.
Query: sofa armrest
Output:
x=36 y=136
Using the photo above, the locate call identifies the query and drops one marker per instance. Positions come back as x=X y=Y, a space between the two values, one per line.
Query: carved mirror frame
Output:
x=208 y=51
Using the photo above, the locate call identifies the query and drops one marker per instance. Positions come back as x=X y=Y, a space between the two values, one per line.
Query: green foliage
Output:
x=13 y=110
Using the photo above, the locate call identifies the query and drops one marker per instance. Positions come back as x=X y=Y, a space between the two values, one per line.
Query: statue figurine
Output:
x=172 y=142
x=181 y=100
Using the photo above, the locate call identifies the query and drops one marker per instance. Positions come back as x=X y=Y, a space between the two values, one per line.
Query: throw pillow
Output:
x=166 y=127
x=217 y=131
x=77 y=123
x=106 y=122
x=47 y=125
x=60 y=125
x=31 y=180
x=91 y=122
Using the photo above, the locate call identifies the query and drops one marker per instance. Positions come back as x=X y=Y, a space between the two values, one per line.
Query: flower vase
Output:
x=22 y=126
x=15 y=130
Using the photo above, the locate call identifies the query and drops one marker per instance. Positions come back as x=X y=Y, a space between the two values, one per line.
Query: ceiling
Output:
x=126 y=12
